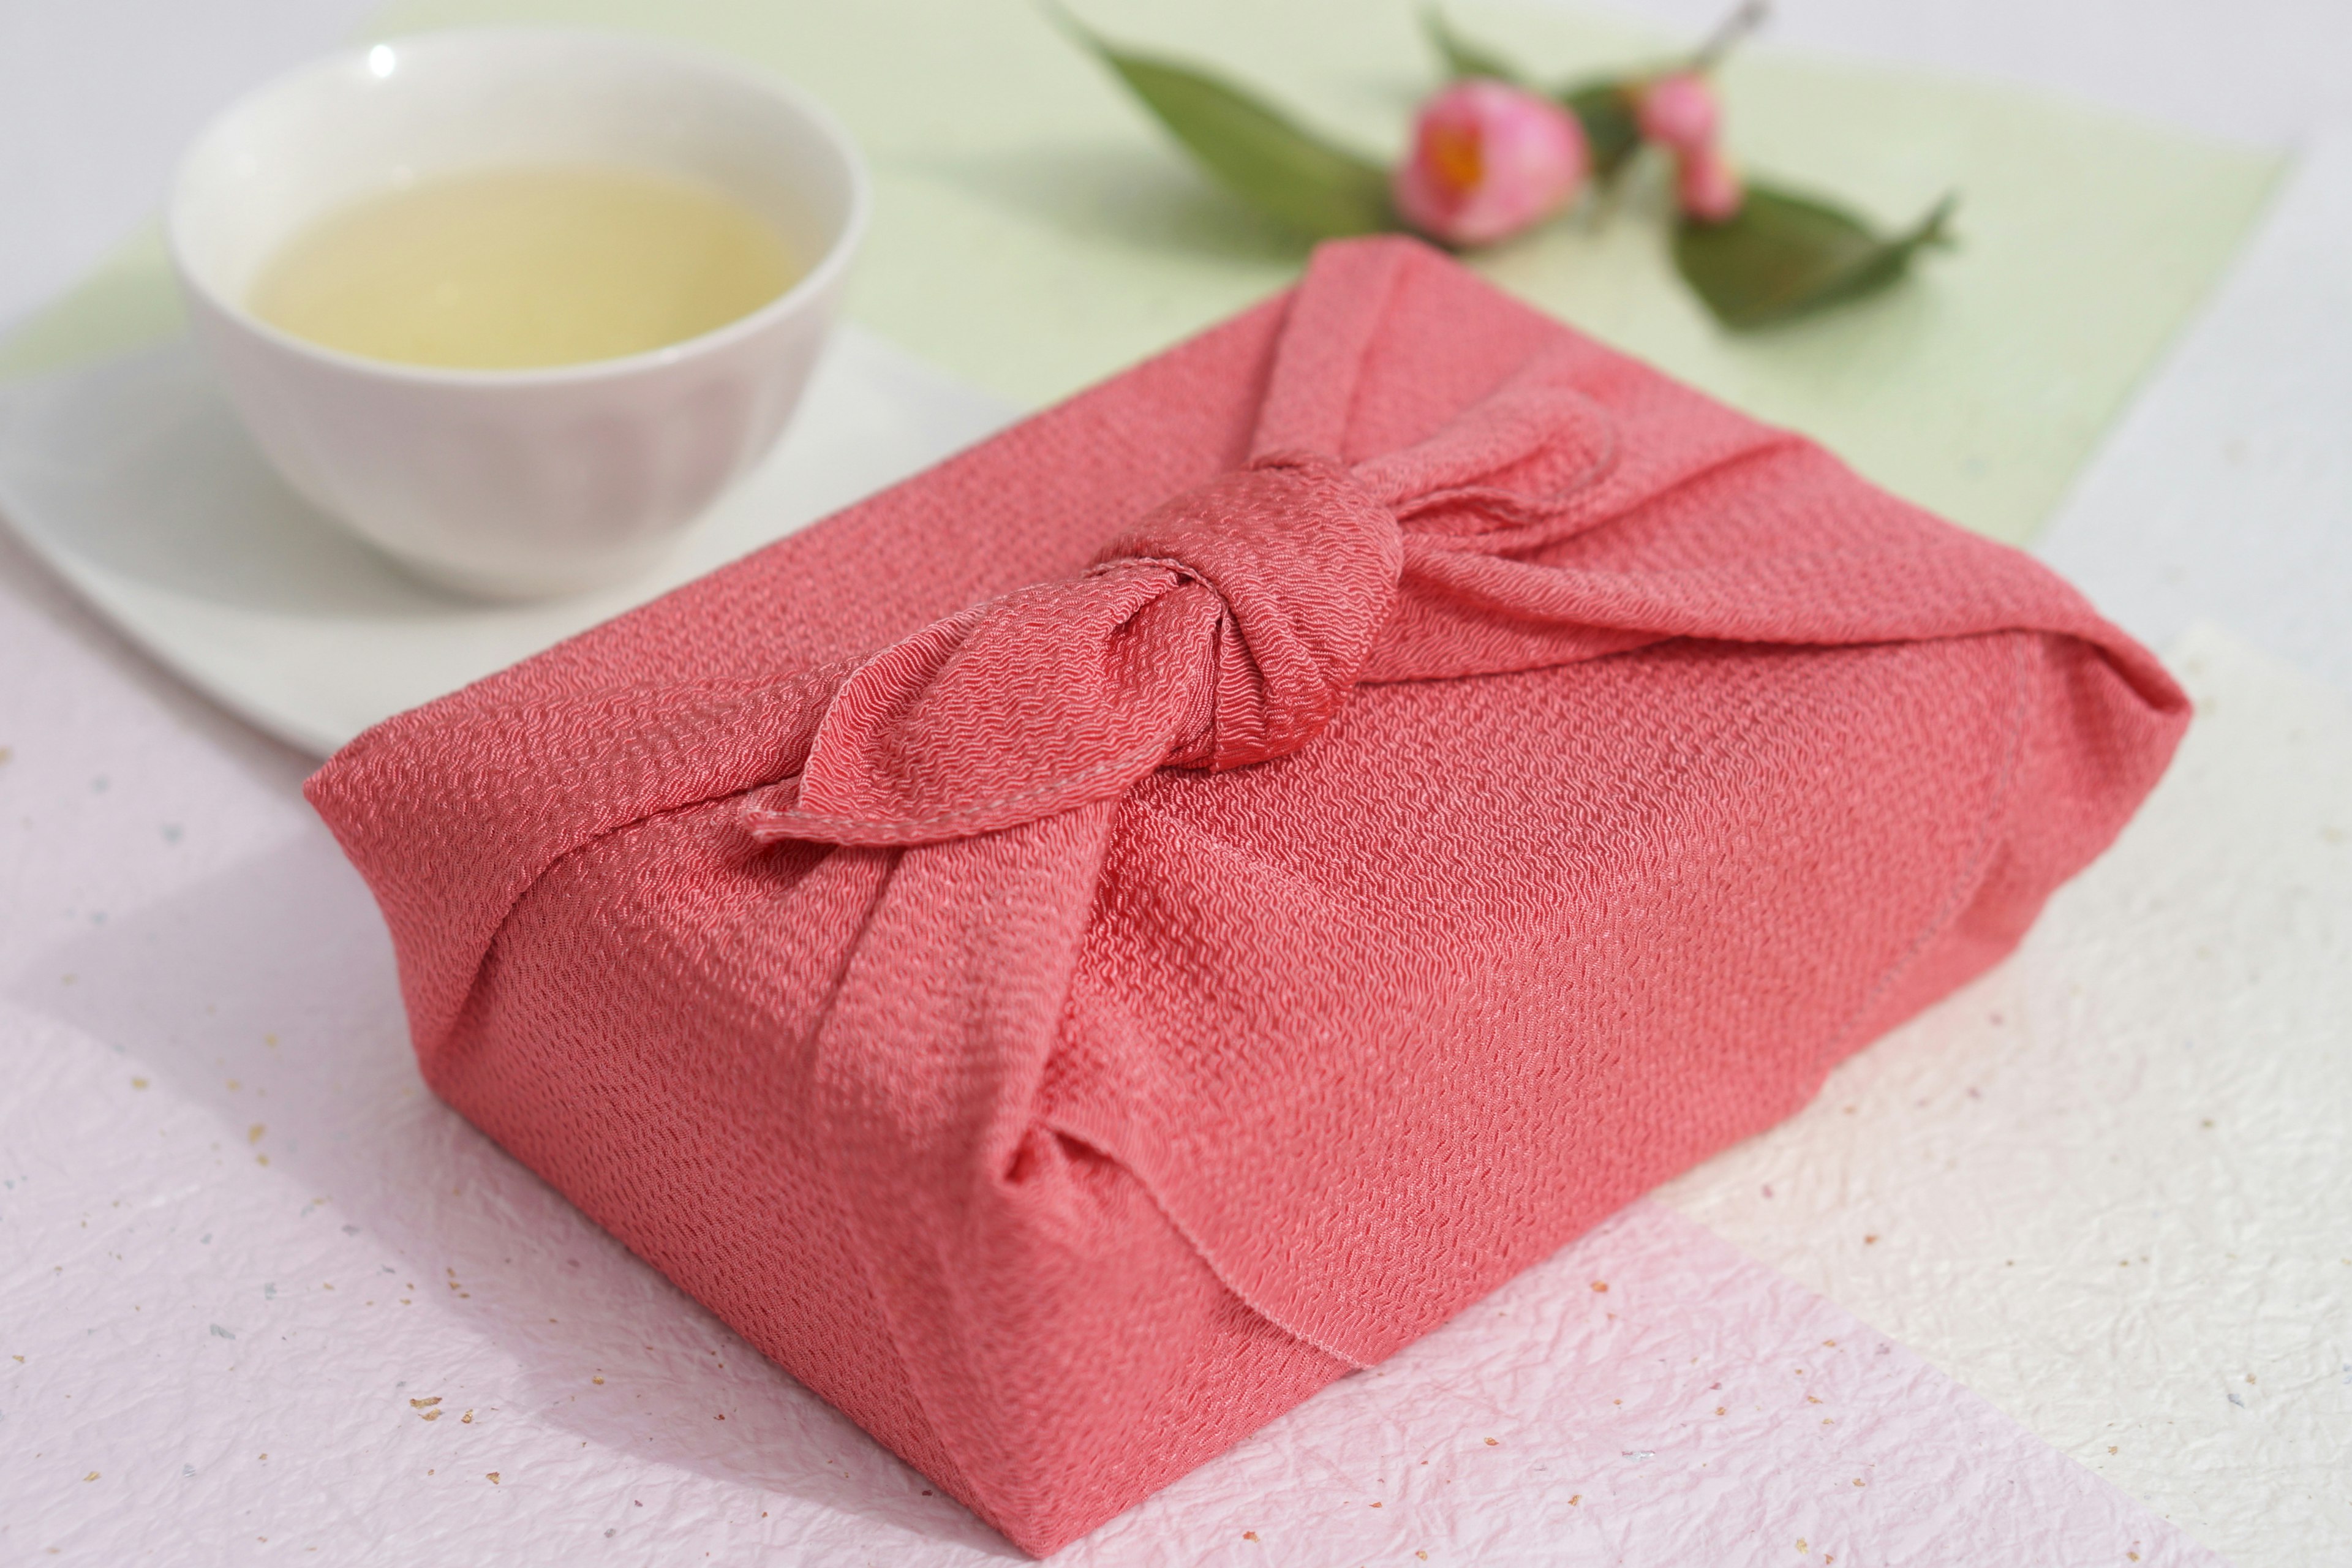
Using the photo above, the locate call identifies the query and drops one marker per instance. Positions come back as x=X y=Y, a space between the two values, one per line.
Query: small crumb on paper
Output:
x=424 y=1404
x=1492 y=1443
x=1600 y=1287
x=494 y=1478
x=1249 y=1535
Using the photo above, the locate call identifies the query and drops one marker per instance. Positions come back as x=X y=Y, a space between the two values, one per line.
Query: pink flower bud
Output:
x=1487 y=160
x=1708 y=187
x=1678 y=112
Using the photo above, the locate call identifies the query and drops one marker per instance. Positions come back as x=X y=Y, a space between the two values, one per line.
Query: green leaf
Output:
x=1787 y=254
x=1259 y=153
x=1463 y=57
x=1611 y=129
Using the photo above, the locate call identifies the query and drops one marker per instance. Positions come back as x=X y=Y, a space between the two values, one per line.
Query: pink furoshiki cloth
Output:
x=1079 y=950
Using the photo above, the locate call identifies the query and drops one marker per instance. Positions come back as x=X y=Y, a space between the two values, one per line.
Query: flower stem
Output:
x=1749 y=16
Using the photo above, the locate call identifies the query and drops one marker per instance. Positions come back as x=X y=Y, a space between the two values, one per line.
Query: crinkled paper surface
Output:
x=263 y=1286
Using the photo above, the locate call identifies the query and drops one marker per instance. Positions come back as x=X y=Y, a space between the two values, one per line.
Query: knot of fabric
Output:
x=1304 y=563
x=1226 y=628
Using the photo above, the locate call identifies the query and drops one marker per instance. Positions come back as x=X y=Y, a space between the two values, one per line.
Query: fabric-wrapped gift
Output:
x=1081 y=950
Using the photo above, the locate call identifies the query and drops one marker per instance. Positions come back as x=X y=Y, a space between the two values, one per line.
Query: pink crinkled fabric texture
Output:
x=1076 y=953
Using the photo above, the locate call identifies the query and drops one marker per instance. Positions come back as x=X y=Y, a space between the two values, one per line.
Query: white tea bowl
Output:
x=514 y=483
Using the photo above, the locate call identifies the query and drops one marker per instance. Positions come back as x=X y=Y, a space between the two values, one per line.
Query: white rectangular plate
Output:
x=135 y=482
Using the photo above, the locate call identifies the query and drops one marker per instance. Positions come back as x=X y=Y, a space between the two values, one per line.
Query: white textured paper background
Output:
x=2109 y=1185
x=269 y=1293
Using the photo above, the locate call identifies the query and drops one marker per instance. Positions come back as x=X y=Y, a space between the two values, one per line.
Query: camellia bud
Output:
x=1708 y=187
x=1489 y=160
x=1678 y=113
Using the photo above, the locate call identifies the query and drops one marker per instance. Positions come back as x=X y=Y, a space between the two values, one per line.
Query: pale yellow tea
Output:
x=516 y=268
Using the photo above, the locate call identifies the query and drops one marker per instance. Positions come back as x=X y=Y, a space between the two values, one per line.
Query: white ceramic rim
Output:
x=829 y=267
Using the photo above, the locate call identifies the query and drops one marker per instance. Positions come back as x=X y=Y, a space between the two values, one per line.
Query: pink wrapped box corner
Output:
x=1079 y=950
